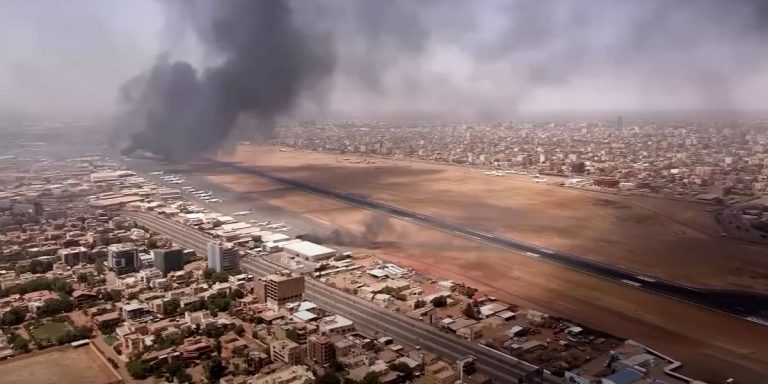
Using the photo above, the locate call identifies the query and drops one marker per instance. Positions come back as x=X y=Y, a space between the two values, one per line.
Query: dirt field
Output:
x=674 y=240
x=80 y=365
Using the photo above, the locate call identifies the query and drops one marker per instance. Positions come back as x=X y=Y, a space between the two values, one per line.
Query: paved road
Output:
x=751 y=306
x=499 y=366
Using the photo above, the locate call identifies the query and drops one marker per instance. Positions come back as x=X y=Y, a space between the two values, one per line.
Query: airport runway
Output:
x=747 y=305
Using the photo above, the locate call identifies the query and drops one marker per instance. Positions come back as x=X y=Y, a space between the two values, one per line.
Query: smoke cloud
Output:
x=488 y=59
x=377 y=231
x=265 y=63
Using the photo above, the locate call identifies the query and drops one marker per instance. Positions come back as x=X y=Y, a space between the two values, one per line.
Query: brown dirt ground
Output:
x=80 y=365
x=671 y=239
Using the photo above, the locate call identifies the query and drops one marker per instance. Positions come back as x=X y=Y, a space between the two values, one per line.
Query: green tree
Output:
x=207 y=273
x=83 y=332
x=113 y=295
x=219 y=277
x=239 y=330
x=183 y=376
x=82 y=277
x=405 y=370
x=439 y=301
x=171 y=307
x=419 y=304
x=236 y=294
x=214 y=369
x=137 y=368
x=18 y=342
x=55 y=306
x=328 y=377
x=469 y=311
x=371 y=378
x=14 y=316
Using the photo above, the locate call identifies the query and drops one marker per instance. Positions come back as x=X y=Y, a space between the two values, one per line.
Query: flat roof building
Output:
x=223 y=258
x=281 y=289
x=123 y=258
x=168 y=260
x=309 y=251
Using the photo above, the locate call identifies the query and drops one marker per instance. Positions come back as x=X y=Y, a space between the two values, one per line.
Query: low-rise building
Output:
x=297 y=374
x=287 y=351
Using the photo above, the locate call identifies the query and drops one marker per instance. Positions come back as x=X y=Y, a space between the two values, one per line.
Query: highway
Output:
x=499 y=366
x=747 y=305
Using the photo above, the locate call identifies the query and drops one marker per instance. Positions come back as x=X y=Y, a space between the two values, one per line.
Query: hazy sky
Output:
x=467 y=58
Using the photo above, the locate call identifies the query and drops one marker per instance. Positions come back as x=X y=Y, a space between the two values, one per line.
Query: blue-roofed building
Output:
x=625 y=376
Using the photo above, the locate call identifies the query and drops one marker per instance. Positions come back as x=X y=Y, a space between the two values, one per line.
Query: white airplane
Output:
x=284 y=229
x=263 y=223
x=213 y=200
x=177 y=181
x=241 y=213
x=157 y=173
x=278 y=225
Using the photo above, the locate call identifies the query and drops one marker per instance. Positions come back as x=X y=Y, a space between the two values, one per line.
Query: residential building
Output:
x=73 y=256
x=296 y=374
x=123 y=258
x=320 y=349
x=169 y=260
x=281 y=289
x=288 y=352
x=439 y=372
x=135 y=311
x=223 y=258
x=336 y=325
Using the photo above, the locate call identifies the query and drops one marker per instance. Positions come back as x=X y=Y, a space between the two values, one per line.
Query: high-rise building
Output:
x=73 y=255
x=123 y=258
x=320 y=349
x=620 y=123
x=283 y=288
x=169 y=260
x=223 y=258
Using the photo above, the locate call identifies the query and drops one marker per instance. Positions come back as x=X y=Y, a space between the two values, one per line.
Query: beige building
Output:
x=281 y=289
x=439 y=372
x=320 y=349
x=297 y=374
x=288 y=352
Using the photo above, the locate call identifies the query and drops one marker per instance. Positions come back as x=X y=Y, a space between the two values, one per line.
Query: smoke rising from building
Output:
x=442 y=59
x=265 y=63
x=377 y=231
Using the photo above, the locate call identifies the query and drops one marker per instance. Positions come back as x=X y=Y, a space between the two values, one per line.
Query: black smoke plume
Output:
x=266 y=63
x=377 y=231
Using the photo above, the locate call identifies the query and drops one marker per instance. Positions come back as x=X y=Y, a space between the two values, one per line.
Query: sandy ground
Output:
x=671 y=239
x=80 y=365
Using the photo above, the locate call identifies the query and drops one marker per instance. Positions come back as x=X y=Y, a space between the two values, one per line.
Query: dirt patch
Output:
x=80 y=365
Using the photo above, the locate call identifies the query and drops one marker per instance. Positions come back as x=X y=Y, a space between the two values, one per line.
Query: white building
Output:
x=223 y=258
x=309 y=251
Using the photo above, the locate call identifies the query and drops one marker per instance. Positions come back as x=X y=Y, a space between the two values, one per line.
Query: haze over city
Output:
x=371 y=192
